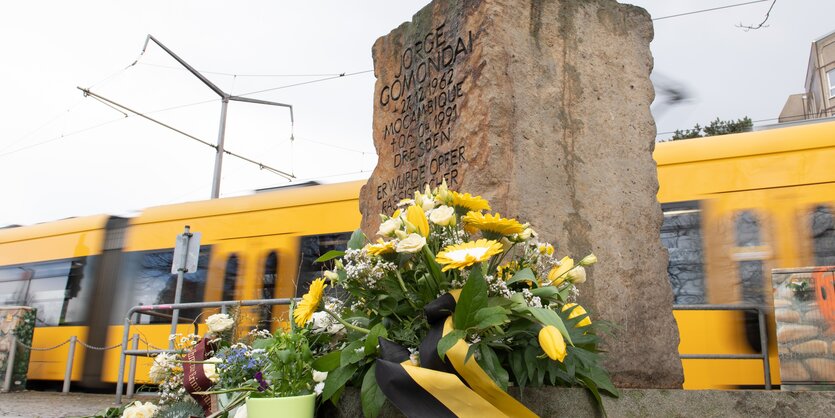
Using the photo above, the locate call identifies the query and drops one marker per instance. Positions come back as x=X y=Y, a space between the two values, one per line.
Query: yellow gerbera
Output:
x=381 y=248
x=310 y=302
x=552 y=343
x=468 y=202
x=466 y=254
x=492 y=223
x=577 y=310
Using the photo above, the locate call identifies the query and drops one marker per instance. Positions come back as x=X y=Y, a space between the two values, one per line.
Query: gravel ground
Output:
x=34 y=404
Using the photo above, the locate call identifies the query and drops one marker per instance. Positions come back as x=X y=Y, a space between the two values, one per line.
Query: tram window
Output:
x=265 y=312
x=681 y=234
x=150 y=282
x=230 y=278
x=59 y=290
x=748 y=234
x=823 y=235
x=312 y=247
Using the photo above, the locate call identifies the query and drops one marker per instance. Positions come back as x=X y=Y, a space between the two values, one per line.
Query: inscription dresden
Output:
x=420 y=105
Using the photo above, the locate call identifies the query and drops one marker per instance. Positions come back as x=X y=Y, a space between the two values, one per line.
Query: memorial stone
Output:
x=541 y=107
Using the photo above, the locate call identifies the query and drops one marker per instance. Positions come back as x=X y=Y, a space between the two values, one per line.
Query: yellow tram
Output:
x=735 y=207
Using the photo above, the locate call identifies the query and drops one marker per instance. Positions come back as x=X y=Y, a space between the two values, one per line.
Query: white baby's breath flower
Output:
x=219 y=322
x=411 y=244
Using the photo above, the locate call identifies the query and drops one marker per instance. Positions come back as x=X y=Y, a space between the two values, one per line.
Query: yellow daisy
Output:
x=309 y=303
x=466 y=254
x=467 y=202
x=381 y=248
x=492 y=223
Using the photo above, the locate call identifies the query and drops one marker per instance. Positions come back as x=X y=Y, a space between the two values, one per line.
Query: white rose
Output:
x=219 y=322
x=442 y=216
x=241 y=413
x=411 y=244
x=388 y=227
x=319 y=377
x=577 y=275
x=210 y=370
x=140 y=410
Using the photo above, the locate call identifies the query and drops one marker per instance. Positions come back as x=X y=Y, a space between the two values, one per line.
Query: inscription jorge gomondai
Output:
x=419 y=107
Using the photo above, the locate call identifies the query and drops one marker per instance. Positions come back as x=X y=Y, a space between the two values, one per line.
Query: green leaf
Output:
x=526 y=274
x=488 y=317
x=337 y=379
x=371 y=341
x=593 y=389
x=473 y=298
x=353 y=353
x=330 y=255
x=371 y=396
x=448 y=341
x=545 y=291
x=602 y=380
x=357 y=240
x=491 y=364
x=328 y=362
x=549 y=317
x=434 y=269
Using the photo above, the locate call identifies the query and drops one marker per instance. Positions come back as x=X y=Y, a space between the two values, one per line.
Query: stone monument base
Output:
x=576 y=402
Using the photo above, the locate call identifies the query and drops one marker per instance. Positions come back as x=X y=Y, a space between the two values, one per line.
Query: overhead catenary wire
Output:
x=62 y=136
x=709 y=10
x=262 y=166
x=242 y=75
x=305 y=82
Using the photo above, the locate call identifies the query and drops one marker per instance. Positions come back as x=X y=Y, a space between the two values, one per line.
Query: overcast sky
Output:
x=63 y=155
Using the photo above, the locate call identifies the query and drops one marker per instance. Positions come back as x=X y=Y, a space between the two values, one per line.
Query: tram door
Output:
x=253 y=268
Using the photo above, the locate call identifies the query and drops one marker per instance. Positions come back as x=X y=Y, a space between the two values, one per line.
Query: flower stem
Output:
x=403 y=287
x=347 y=324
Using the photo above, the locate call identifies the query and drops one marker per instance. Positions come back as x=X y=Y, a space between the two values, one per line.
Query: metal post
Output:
x=68 y=371
x=764 y=348
x=7 y=382
x=219 y=157
x=132 y=370
x=175 y=315
x=120 y=380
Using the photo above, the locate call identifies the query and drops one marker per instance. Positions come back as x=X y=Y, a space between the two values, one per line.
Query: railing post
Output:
x=764 y=348
x=68 y=371
x=120 y=384
x=7 y=381
x=132 y=371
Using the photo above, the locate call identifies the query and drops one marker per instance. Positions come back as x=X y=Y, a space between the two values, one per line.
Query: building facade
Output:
x=818 y=100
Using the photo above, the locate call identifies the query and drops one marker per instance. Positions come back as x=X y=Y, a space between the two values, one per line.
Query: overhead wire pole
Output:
x=225 y=98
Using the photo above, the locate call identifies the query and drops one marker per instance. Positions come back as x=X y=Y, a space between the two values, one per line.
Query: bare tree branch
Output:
x=762 y=24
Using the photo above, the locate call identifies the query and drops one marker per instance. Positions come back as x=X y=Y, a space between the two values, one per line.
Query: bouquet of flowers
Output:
x=449 y=289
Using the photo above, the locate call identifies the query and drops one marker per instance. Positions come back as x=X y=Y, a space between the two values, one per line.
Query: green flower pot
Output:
x=291 y=407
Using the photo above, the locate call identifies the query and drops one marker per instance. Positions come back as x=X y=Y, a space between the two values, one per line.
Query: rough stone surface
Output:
x=821 y=369
x=640 y=403
x=796 y=332
x=546 y=114
x=811 y=347
x=787 y=315
x=793 y=371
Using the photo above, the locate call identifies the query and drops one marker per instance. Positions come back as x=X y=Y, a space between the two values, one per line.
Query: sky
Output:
x=64 y=155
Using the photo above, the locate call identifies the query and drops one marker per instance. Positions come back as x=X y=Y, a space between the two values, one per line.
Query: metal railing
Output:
x=763 y=355
x=72 y=341
x=134 y=313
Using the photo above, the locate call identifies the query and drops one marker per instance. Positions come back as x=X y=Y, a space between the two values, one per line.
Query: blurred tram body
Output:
x=735 y=206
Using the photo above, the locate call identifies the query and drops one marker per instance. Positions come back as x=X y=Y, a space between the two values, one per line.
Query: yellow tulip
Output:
x=577 y=310
x=552 y=343
x=566 y=264
x=416 y=217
